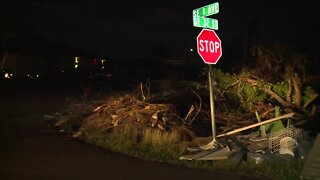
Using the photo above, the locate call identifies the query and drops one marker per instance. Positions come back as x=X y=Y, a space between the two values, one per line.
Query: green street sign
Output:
x=204 y=22
x=206 y=10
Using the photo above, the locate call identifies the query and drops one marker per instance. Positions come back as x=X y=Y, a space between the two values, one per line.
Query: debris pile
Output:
x=129 y=110
x=271 y=143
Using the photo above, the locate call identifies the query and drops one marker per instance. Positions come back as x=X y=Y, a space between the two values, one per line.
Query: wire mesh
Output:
x=274 y=138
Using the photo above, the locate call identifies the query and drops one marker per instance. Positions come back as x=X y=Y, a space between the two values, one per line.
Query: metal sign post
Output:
x=210 y=50
x=213 y=124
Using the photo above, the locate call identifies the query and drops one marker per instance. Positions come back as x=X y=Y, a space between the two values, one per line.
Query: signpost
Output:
x=210 y=50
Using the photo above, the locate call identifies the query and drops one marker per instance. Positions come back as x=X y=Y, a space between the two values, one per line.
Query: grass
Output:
x=150 y=144
x=155 y=145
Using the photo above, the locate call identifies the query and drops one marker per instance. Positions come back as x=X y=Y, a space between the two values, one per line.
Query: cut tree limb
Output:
x=276 y=96
x=288 y=96
x=297 y=92
x=290 y=115
x=199 y=109
x=142 y=93
x=189 y=113
x=313 y=110
x=266 y=113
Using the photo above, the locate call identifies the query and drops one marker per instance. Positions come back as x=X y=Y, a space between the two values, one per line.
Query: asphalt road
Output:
x=29 y=149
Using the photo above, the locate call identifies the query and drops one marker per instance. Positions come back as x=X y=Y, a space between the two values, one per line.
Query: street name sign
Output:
x=207 y=10
x=204 y=22
x=200 y=16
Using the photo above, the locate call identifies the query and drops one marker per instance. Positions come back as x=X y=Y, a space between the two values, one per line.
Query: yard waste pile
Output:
x=117 y=113
x=129 y=110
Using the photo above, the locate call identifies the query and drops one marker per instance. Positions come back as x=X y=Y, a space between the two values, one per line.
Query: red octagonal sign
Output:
x=209 y=46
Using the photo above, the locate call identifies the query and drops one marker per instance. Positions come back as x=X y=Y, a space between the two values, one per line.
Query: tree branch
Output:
x=297 y=92
x=267 y=90
x=288 y=96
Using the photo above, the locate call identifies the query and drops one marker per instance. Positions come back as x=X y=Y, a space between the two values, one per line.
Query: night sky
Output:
x=128 y=30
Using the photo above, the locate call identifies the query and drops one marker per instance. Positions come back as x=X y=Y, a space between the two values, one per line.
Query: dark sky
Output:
x=125 y=30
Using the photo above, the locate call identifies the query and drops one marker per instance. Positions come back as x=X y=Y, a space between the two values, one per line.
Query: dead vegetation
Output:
x=129 y=109
x=117 y=112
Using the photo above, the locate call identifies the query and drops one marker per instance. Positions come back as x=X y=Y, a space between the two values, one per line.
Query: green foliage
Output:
x=238 y=92
x=277 y=125
x=233 y=99
x=281 y=88
x=308 y=93
x=223 y=79
x=243 y=94
x=252 y=95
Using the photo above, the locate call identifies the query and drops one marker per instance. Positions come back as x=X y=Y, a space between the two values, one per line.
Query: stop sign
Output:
x=209 y=46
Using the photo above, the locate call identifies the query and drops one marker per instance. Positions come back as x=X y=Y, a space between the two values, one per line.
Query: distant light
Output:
x=28 y=75
x=6 y=75
x=191 y=50
x=76 y=60
x=37 y=75
x=103 y=60
x=102 y=67
x=11 y=74
x=62 y=71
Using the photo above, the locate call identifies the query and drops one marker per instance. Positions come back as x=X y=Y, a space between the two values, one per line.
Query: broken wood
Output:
x=257 y=124
x=276 y=96
x=264 y=114
x=297 y=92
x=142 y=93
x=189 y=113
x=199 y=109
x=288 y=96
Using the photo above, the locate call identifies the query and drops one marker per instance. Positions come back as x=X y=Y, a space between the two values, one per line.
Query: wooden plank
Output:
x=290 y=115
